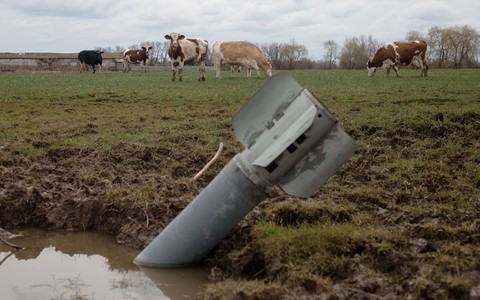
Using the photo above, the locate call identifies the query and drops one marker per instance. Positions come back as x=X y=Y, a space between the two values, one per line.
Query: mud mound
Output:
x=127 y=191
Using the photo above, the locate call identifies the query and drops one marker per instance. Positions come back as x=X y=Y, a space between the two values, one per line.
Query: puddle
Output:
x=86 y=265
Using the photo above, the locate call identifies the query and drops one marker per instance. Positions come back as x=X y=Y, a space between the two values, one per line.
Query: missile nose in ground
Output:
x=291 y=139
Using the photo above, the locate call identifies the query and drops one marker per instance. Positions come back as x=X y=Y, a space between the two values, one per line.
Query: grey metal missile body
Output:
x=290 y=139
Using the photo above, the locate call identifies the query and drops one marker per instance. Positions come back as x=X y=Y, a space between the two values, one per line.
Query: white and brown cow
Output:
x=183 y=50
x=392 y=54
x=136 y=56
x=239 y=53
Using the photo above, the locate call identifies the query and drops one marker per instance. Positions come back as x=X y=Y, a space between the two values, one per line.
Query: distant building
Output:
x=112 y=61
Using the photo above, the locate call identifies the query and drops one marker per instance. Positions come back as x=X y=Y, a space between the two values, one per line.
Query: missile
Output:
x=291 y=140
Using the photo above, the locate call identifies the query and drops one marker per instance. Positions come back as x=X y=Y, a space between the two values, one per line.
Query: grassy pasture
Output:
x=61 y=108
x=403 y=215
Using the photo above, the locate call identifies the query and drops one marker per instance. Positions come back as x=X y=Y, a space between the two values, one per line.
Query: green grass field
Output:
x=404 y=211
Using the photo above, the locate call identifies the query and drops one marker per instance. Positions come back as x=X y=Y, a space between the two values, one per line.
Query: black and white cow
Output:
x=90 y=58
x=392 y=54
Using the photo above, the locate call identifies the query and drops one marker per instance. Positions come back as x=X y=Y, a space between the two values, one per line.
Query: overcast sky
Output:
x=74 y=25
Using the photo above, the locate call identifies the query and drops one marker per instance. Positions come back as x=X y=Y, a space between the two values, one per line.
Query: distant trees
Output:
x=452 y=47
x=285 y=55
x=331 y=54
x=357 y=51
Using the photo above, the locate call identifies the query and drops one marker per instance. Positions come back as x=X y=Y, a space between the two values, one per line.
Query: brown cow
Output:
x=399 y=53
x=186 y=51
x=239 y=53
x=136 y=56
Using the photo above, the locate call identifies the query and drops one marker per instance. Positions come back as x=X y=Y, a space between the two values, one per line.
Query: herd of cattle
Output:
x=241 y=54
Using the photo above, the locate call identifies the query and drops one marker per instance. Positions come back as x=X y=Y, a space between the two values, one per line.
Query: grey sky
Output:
x=74 y=25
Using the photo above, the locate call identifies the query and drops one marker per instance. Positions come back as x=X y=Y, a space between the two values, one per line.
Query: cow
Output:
x=239 y=53
x=90 y=58
x=183 y=50
x=391 y=54
x=135 y=56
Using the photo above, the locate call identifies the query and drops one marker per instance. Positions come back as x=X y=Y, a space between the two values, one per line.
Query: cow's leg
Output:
x=425 y=67
x=395 y=68
x=180 y=70
x=174 y=68
x=253 y=67
x=248 y=70
x=93 y=67
x=218 y=68
x=202 y=71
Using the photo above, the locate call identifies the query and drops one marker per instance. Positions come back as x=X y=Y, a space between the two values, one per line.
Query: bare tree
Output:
x=356 y=51
x=436 y=40
x=372 y=46
x=134 y=46
x=331 y=53
x=292 y=53
x=456 y=46
x=104 y=49
x=119 y=48
x=155 y=54
x=272 y=52
x=465 y=42
x=414 y=35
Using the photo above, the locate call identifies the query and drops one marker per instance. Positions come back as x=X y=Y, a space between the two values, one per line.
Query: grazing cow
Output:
x=90 y=58
x=399 y=53
x=136 y=56
x=239 y=53
x=186 y=51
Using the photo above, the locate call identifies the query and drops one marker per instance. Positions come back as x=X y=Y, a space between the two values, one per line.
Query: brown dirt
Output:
x=84 y=189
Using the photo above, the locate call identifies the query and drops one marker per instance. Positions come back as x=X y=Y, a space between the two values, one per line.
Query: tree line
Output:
x=448 y=47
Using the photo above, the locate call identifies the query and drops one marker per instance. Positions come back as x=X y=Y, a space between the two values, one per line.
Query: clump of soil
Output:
x=130 y=191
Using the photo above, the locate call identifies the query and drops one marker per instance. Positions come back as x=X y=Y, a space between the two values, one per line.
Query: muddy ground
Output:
x=132 y=192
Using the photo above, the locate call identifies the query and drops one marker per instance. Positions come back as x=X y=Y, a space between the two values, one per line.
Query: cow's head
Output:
x=174 y=38
x=99 y=57
x=146 y=48
x=371 y=69
x=269 y=69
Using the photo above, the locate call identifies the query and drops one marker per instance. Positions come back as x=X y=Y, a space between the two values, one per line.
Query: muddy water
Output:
x=86 y=266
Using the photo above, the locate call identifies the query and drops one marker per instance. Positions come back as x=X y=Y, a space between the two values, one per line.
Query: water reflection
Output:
x=86 y=266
